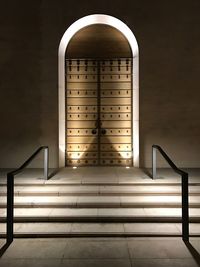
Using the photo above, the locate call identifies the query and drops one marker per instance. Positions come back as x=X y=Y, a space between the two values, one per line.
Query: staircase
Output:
x=108 y=202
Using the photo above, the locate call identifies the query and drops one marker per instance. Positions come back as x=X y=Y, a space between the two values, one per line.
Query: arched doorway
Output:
x=98 y=94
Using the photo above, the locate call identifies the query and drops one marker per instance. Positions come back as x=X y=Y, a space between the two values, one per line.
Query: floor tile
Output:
x=164 y=263
x=2 y=242
x=23 y=248
x=96 y=263
x=96 y=250
x=163 y=248
x=30 y=262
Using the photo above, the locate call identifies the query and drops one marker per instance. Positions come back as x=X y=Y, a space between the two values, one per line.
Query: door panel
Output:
x=81 y=112
x=82 y=70
x=81 y=93
x=115 y=77
x=81 y=124
x=81 y=117
x=81 y=139
x=121 y=109
x=116 y=162
x=116 y=96
x=81 y=86
x=115 y=93
x=81 y=162
x=116 y=85
x=113 y=124
x=115 y=139
x=116 y=132
x=115 y=69
x=81 y=147
x=116 y=117
x=98 y=112
x=79 y=132
x=85 y=101
x=81 y=109
x=116 y=147
x=116 y=101
x=82 y=78
x=115 y=155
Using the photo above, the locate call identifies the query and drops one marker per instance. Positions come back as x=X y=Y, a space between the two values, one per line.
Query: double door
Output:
x=99 y=112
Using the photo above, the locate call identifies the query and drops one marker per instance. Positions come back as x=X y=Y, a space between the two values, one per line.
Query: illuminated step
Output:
x=62 y=190
x=100 y=215
x=100 y=201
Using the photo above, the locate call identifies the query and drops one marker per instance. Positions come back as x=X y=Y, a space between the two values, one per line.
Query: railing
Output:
x=10 y=189
x=184 y=183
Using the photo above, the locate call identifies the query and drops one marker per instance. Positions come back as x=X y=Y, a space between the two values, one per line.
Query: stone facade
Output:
x=168 y=38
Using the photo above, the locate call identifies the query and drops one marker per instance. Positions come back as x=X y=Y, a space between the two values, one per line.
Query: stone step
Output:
x=90 y=182
x=100 y=214
x=105 y=190
x=68 y=229
x=100 y=201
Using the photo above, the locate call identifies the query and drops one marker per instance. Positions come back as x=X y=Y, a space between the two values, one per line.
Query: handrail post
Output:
x=154 y=162
x=184 y=183
x=185 y=208
x=10 y=190
x=46 y=162
x=10 y=207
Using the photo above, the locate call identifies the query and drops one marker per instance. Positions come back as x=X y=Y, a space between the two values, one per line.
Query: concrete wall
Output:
x=168 y=36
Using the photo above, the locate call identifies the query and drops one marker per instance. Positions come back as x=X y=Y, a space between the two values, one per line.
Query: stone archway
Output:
x=70 y=32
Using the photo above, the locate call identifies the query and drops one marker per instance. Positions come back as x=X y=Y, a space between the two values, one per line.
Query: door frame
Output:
x=69 y=33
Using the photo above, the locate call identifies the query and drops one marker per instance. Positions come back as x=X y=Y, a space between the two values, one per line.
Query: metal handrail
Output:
x=10 y=189
x=184 y=184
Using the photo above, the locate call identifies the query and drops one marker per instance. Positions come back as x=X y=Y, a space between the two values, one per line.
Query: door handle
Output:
x=94 y=131
x=103 y=131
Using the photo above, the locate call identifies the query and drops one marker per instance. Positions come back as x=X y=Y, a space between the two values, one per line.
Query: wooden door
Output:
x=98 y=112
